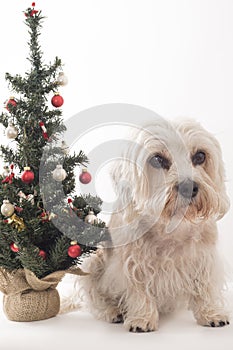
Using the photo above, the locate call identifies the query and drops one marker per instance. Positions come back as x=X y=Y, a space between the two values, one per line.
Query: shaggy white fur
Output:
x=171 y=191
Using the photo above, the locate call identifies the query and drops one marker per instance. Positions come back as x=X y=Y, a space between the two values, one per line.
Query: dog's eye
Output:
x=159 y=161
x=198 y=158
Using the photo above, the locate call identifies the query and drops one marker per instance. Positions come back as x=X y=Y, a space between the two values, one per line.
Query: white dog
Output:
x=171 y=192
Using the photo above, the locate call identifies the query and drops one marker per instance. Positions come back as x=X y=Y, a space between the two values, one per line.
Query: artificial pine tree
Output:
x=45 y=229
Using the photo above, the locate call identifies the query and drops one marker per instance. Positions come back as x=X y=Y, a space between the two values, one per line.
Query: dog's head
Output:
x=171 y=170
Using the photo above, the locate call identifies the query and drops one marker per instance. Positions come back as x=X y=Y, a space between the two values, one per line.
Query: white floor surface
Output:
x=79 y=330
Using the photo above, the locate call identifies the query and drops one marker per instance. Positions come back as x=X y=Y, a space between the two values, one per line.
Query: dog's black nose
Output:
x=187 y=188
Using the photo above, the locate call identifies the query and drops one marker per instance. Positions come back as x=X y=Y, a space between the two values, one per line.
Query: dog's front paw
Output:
x=118 y=319
x=141 y=326
x=112 y=314
x=140 y=330
x=216 y=321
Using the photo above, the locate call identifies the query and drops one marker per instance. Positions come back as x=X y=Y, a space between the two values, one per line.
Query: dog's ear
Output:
x=129 y=181
x=216 y=169
x=224 y=204
x=122 y=174
x=220 y=179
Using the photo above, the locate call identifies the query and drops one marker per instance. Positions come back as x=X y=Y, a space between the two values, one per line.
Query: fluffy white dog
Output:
x=171 y=192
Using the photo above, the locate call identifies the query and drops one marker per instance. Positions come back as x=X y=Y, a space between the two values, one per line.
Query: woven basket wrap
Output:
x=28 y=298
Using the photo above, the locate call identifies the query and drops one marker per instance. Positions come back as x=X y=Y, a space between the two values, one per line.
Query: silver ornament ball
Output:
x=7 y=209
x=62 y=79
x=11 y=131
x=91 y=218
x=59 y=174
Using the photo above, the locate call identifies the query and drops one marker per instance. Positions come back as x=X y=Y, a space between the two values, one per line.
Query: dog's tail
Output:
x=72 y=292
x=73 y=300
x=79 y=289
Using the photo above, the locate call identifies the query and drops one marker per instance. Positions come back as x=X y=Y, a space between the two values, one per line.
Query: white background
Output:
x=174 y=57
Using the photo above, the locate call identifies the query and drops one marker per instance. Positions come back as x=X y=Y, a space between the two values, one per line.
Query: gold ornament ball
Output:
x=62 y=79
x=7 y=209
x=91 y=218
x=59 y=174
x=11 y=131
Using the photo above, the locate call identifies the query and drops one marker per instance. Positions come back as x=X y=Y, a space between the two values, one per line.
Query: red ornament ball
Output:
x=27 y=176
x=57 y=100
x=14 y=247
x=85 y=177
x=42 y=254
x=11 y=103
x=74 y=251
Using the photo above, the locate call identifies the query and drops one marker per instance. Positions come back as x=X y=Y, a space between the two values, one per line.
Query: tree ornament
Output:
x=27 y=176
x=44 y=216
x=52 y=216
x=74 y=250
x=85 y=177
x=44 y=130
x=14 y=247
x=65 y=148
x=6 y=171
x=70 y=202
x=9 y=178
x=11 y=131
x=91 y=218
x=59 y=174
x=62 y=79
x=57 y=100
x=32 y=12
x=29 y=197
x=7 y=209
x=72 y=207
x=16 y=222
x=42 y=254
x=18 y=209
x=11 y=103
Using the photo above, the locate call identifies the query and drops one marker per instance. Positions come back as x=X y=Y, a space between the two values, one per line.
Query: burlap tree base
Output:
x=28 y=298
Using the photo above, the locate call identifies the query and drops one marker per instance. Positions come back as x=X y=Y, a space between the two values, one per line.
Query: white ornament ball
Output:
x=7 y=209
x=11 y=131
x=91 y=218
x=59 y=174
x=62 y=79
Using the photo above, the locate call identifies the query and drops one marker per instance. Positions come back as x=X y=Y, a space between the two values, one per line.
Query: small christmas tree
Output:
x=37 y=204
